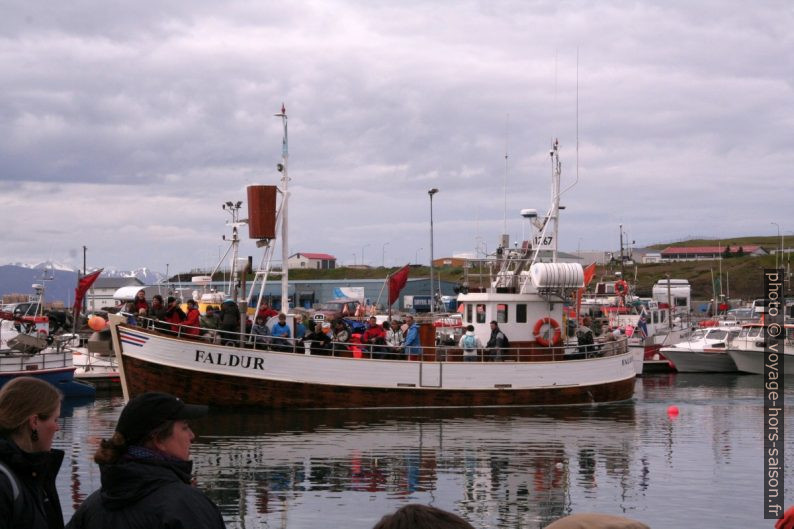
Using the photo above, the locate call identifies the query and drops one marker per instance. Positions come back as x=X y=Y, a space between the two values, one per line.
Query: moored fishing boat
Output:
x=33 y=352
x=538 y=369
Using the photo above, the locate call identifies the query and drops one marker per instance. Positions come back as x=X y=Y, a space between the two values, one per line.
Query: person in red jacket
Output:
x=174 y=314
x=140 y=302
x=190 y=325
x=375 y=337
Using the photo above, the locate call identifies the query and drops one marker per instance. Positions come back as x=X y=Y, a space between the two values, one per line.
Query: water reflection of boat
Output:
x=494 y=465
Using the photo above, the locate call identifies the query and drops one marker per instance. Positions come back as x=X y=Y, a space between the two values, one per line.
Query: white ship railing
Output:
x=440 y=353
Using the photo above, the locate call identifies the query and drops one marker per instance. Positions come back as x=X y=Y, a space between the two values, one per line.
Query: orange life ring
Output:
x=621 y=287
x=552 y=323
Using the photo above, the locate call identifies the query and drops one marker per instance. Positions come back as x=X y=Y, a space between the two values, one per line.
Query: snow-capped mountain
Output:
x=60 y=280
x=147 y=276
x=46 y=265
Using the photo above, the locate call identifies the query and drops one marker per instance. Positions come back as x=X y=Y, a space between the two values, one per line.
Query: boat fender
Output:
x=622 y=288
x=540 y=339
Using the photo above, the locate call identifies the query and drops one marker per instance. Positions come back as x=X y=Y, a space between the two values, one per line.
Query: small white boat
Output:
x=704 y=351
x=747 y=350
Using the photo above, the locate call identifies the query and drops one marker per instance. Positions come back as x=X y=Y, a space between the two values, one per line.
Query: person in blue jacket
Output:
x=281 y=334
x=413 y=348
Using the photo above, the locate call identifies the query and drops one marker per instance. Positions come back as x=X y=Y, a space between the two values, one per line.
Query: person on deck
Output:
x=157 y=308
x=375 y=337
x=584 y=337
x=260 y=333
x=320 y=342
x=146 y=471
x=230 y=322
x=300 y=329
x=192 y=321
x=29 y=412
x=470 y=344
x=497 y=343
x=157 y=313
x=210 y=323
x=341 y=337
x=174 y=314
x=140 y=302
x=394 y=338
x=413 y=347
x=281 y=334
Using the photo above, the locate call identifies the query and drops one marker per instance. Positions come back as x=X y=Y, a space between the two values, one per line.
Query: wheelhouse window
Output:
x=521 y=313
x=480 y=312
x=468 y=313
x=501 y=313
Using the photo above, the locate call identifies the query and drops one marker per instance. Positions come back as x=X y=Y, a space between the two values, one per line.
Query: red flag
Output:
x=589 y=273
x=82 y=287
x=396 y=283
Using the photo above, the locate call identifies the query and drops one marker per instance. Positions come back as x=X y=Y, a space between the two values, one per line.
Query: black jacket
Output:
x=138 y=494
x=38 y=506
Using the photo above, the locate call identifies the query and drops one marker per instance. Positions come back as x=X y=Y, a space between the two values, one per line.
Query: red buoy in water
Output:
x=672 y=410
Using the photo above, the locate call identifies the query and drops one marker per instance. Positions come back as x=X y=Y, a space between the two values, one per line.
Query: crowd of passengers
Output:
x=221 y=324
x=269 y=330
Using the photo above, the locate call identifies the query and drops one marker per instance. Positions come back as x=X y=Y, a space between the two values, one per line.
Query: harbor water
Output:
x=496 y=467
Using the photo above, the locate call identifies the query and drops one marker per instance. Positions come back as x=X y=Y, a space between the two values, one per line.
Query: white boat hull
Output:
x=228 y=376
x=752 y=361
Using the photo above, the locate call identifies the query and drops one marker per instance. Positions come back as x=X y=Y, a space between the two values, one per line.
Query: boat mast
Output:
x=284 y=224
x=554 y=214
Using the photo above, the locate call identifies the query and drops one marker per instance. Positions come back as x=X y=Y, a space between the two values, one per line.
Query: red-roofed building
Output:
x=312 y=261
x=704 y=253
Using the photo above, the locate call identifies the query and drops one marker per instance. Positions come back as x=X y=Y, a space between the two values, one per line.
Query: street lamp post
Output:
x=781 y=244
x=432 y=192
x=354 y=259
x=362 y=253
x=383 y=254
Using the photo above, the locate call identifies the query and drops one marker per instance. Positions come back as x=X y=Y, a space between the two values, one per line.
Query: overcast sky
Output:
x=126 y=125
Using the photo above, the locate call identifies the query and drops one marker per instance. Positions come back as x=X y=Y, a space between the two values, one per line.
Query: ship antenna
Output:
x=284 y=226
x=577 y=125
x=507 y=167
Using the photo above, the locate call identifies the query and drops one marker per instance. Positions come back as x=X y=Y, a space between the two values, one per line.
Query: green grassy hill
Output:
x=741 y=276
x=767 y=243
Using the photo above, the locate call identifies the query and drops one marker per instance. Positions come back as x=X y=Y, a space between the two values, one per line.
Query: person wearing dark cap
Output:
x=145 y=468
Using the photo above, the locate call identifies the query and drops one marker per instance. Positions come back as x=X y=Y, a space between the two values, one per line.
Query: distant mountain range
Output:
x=59 y=280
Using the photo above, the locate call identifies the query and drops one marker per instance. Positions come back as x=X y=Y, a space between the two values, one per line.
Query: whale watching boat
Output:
x=525 y=296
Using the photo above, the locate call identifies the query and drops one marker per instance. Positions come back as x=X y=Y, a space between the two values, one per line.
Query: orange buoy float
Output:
x=622 y=288
x=541 y=338
x=97 y=323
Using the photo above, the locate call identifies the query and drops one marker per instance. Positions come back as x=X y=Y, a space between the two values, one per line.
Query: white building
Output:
x=100 y=295
x=311 y=261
